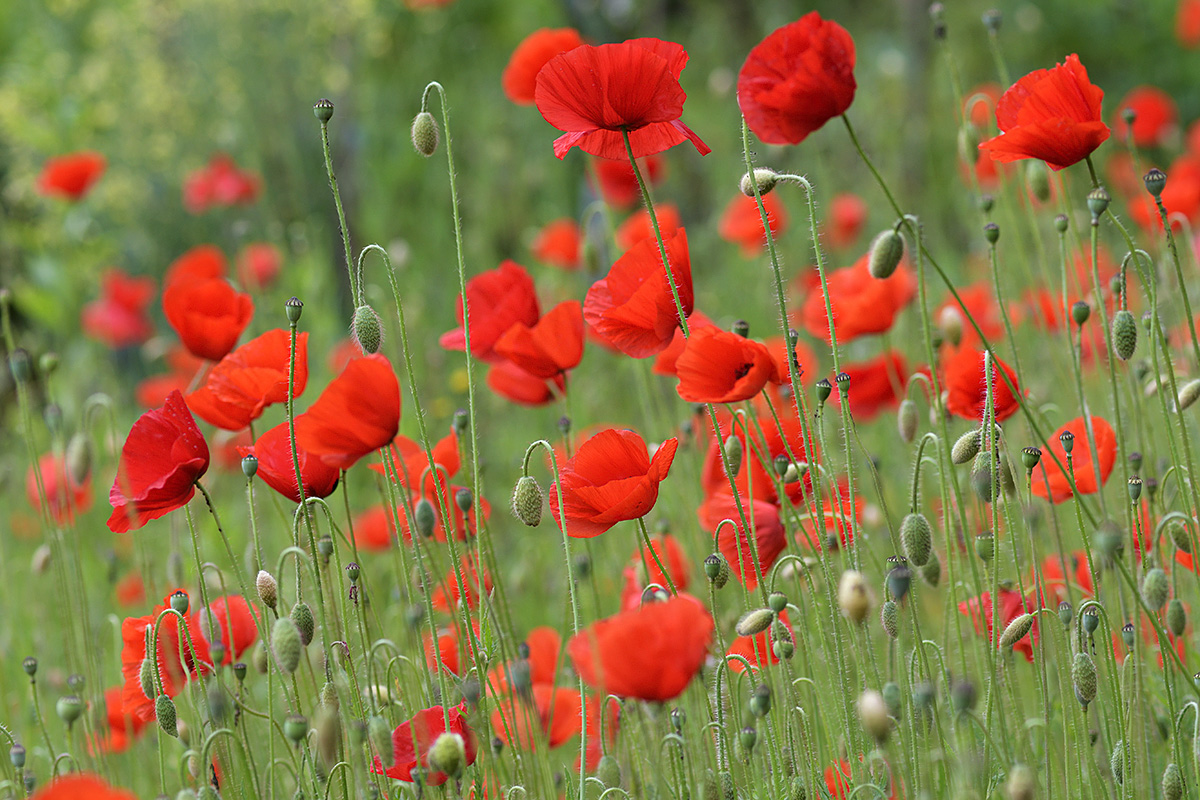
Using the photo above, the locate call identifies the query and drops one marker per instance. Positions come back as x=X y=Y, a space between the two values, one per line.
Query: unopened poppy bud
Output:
x=733 y=454
x=179 y=602
x=295 y=728
x=1156 y=588
x=1179 y=535
x=991 y=232
x=293 y=308
x=464 y=500
x=756 y=621
x=1124 y=334
x=985 y=546
x=16 y=755
x=425 y=134
x=1097 y=202
x=760 y=700
x=906 y=421
x=21 y=366
x=1016 y=630
x=302 y=615
x=981 y=477
x=259 y=658
x=1068 y=441
x=69 y=708
x=1117 y=761
x=886 y=252
x=717 y=569
x=873 y=715
x=923 y=696
x=448 y=754
x=931 y=573
x=146 y=678
x=1021 y=783
x=461 y=422
x=425 y=518
x=1172 y=782
x=1039 y=180
x=1155 y=181
x=899 y=579
x=527 y=501
x=609 y=771
x=824 y=389
x=1065 y=613
x=783 y=648
x=794 y=472
x=889 y=618
x=380 y=736
x=765 y=178
x=79 y=457
x=1188 y=394
x=285 y=642
x=966 y=446
x=323 y=109
x=963 y=696
x=1030 y=457
x=164 y=712
x=1176 y=616
x=852 y=596
x=748 y=738
x=366 y=329
x=968 y=143
x=268 y=588
x=916 y=537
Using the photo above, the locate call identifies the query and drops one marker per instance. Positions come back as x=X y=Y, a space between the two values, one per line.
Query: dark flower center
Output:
x=742 y=371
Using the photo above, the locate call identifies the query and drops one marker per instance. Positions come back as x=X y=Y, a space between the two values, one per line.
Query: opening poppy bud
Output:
x=1097 y=203
x=963 y=696
x=425 y=518
x=293 y=308
x=985 y=546
x=748 y=738
x=1030 y=457
x=249 y=466
x=1188 y=394
x=906 y=420
x=1021 y=783
x=1176 y=616
x=889 y=618
x=425 y=134
x=1172 y=782
x=448 y=754
x=717 y=569
x=179 y=602
x=1124 y=334
x=1065 y=613
x=1156 y=588
x=1038 y=178
x=268 y=588
x=852 y=596
x=79 y=458
x=824 y=389
x=19 y=363
x=1117 y=762
x=760 y=700
x=873 y=715
x=609 y=771
x=285 y=642
x=1179 y=535
x=302 y=616
x=733 y=454
x=765 y=178
x=991 y=232
x=916 y=537
x=366 y=329
x=1068 y=441
x=899 y=579
x=931 y=573
x=527 y=501
x=1155 y=181
x=16 y=755
x=323 y=109
x=886 y=251
x=754 y=622
x=1016 y=630
x=777 y=601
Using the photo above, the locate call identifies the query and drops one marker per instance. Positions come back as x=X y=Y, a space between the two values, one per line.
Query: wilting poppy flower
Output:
x=756 y=649
x=118 y=318
x=770 y=539
x=258 y=265
x=861 y=303
x=273 y=450
x=558 y=244
x=220 y=183
x=412 y=740
x=447 y=596
x=518 y=386
x=742 y=225
x=595 y=94
x=240 y=387
x=618 y=184
x=453 y=654
x=1050 y=114
x=163 y=457
x=875 y=385
x=64 y=496
x=1155 y=116
x=847 y=215
x=548 y=348
x=81 y=786
x=209 y=315
x=519 y=78
x=797 y=79
x=610 y=478
x=1089 y=476
x=71 y=176
x=639 y=226
x=120 y=728
x=498 y=299
x=642 y=569
x=358 y=413
x=651 y=653
x=966 y=383
x=981 y=612
x=717 y=366
x=1187 y=23
x=632 y=307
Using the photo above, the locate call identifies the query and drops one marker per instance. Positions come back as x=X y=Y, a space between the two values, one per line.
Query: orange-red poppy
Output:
x=118 y=318
x=220 y=183
x=965 y=382
x=259 y=264
x=618 y=184
x=875 y=385
x=741 y=222
x=519 y=79
x=71 y=176
x=717 y=366
x=242 y=384
x=559 y=244
x=65 y=497
x=847 y=215
x=1089 y=475
x=1156 y=117
x=638 y=226
x=498 y=299
x=413 y=739
x=861 y=304
x=642 y=569
x=770 y=538
x=208 y=314
x=277 y=468
x=81 y=786
x=358 y=413
x=549 y=347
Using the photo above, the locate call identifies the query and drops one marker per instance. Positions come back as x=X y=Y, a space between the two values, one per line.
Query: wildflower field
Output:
x=651 y=401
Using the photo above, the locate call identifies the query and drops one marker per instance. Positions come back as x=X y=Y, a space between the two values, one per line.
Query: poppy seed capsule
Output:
x=906 y=421
x=16 y=755
x=1188 y=394
x=824 y=389
x=852 y=596
x=1080 y=312
x=1179 y=535
x=425 y=518
x=777 y=601
x=1155 y=588
x=1017 y=630
x=268 y=588
x=425 y=134
x=179 y=602
x=1065 y=613
x=1124 y=334
x=1172 y=782
x=717 y=569
x=527 y=501
x=69 y=709
x=302 y=615
x=887 y=250
x=760 y=700
x=285 y=642
x=916 y=537
x=756 y=621
x=1156 y=181
x=293 y=308
x=1030 y=457
x=748 y=738
x=1127 y=635
x=889 y=618
x=966 y=446
x=295 y=728
x=765 y=178
x=991 y=232
x=323 y=109
x=164 y=712
x=1097 y=202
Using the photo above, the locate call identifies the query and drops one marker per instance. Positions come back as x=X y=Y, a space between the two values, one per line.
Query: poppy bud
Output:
x=1117 y=761
x=146 y=678
x=782 y=644
x=527 y=501
x=1030 y=457
x=985 y=546
x=748 y=738
x=293 y=308
x=323 y=109
x=968 y=143
x=966 y=446
x=991 y=232
x=448 y=754
x=1188 y=394
x=1155 y=181
x=873 y=715
x=733 y=454
x=906 y=420
x=259 y=658
x=302 y=615
x=795 y=472
x=1097 y=203
x=765 y=178
x=755 y=621
x=760 y=700
x=889 y=618
x=1176 y=616
x=886 y=252
x=1155 y=588
x=79 y=457
x=1172 y=782
x=986 y=203
x=717 y=569
x=981 y=477
x=852 y=596
x=268 y=588
x=16 y=755
x=1124 y=334
x=425 y=518
x=164 y=712
x=609 y=771
x=425 y=134
x=1065 y=613
x=381 y=739
x=1179 y=535
x=916 y=537
x=1016 y=630
x=1080 y=312
x=1021 y=783
x=366 y=329
x=285 y=642
x=1039 y=180
x=295 y=728
x=69 y=709
x=963 y=696
x=824 y=389
x=931 y=573
x=899 y=578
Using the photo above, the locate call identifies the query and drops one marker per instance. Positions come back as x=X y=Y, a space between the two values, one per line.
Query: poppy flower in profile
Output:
x=358 y=413
x=119 y=729
x=651 y=653
x=242 y=384
x=596 y=94
x=413 y=739
x=118 y=318
x=847 y=215
x=632 y=308
x=742 y=224
x=200 y=263
x=258 y=265
x=70 y=176
x=228 y=619
x=559 y=244
x=273 y=450
x=642 y=569
x=638 y=226
x=498 y=299
x=875 y=385
x=65 y=497
x=1089 y=476
x=964 y=380
x=518 y=386
x=609 y=479
x=163 y=457
x=982 y=613
x=861 y=304
x=770 y=538
x=797 y=79
x=519 y=79
x=618 y=184
x=1050 y=114
x=208 y=314
x=549 y=347
x=1155 y=116
x=717 y=366
x=81 y=786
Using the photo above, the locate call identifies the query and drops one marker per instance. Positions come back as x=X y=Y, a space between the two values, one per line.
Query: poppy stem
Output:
x=1187 y=305
x=355 y=285
x=641 y=521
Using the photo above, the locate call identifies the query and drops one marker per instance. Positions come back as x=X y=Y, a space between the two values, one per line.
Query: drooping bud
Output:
x=609 y=771
x=782 y=644
x=1017 y=630
x=852 y=596
x=1124 y=334
x=967 y=446
x=760 y=700
x=527 y=501
x=733 y=454
x=916 y=537
x=777 y=601
x=302 y=615
x=1179 y=535
x=899 y=579
x=1172 y=782
x=1188 y=394
x=146 y=678
x=886 y=252
x=285 y=642
x=873 y=715
x=79 y=458
x=765 y=178
x=906 y=420
x=367 y=329
x=448 y=754
x=981 y=477
x=381 y=739
x=1039 y=180
x=1176 y=616
x=1083 y=676
x=424 y=518
x=268 y=588
x=756 y=621
x=889 y=618
x=931 y=573
x=164 y=712
x=425 y=134
x=1156 y=588
x=963 y=696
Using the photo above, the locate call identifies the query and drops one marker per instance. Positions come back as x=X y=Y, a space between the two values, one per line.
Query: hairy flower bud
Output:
x=886 y=252
x=907 y=421
x=852 y=596
x=1156 y=588
x=302 y=615
x=1083 y=676
x=966 y=446
x=448 y=754
x=765 y=178
x=755 y=621
x=380 y=736
x=916 y=537
x=285 y=642
x=1172 y=782
x=268 y=588
x=1021 y=783
x=609 y=771
x=367 y=329
x=164 y=712
x=873 y=715
x=425 y=134
x=527 y=501
x=1124 y=334
x=1117 y=761
x=1016 y=630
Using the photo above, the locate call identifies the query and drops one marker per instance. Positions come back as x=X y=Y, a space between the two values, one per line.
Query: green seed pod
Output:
x=1081 y=312
x=886 y=252
x=1176 y=616
x=760 y=701
x=425 y=134
x=1097 y=202
x=765 y=178
x=302 y=615
x=164 y=712
x=1124 y=334
x=1172 y=782
x=748 y=738
x=931 y=573
x=1083 y=676
x=527 y=501
x=328 y=725
x=733 y=454
x=717 y=569
x=906 y=421
x=782 y=644
x=889 y=618
x=797 y=790
x=1156 y=588
x=16 y=755
x=295 y=728
x=609 y=771
x=756 y=621
x=1016 y=630
x=424 y=518
x=323 y=109
x=1117 y=761
x=448 y=754
x=967 y=446
x=1188 y=394
x=69 y=709
x=285 y=642
x=1030 y=457
x=366 y=329
x=381 y=739
x=916 y=537
x=1065 y=613
x=777 y=601
x=1021 y=783
x=893 y=698
x=1179 y=535
x=1156 y=181
x=985 y=546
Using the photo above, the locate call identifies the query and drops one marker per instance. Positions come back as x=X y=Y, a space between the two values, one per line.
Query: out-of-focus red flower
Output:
x=120 y=728
x=552 y=711
x=258 y=265
x=1050 y=114
x=666 y=360
x=875 y=385
x=837 y=780
x=219 y=184
x=1089 y=476
x=980 y=103
x=242 y=384
x=609 y=479
x=638 y=226
x=651 y=653
x=342 y=354
x=797 y=79
x=770 y=539
x=717 y=366
x=498 y=299
x=861 y=303
x=742 y=225
x=70 y=176
x=964 y=379
x=618 y=184
x=757 y=475
x=632 y=307
x=979 y=304
x=413 y=739
x=228 y=619
x=64 y=497
x=519 y=79
x=847 y=215
x=118 y=318
x=453 y=653
x=1156 y=117
x=374 y=530
x=202 y=262
x=81 y=786
x=273 y=450
x=543 y=644
x=163 y=457
x=412 y=462
x=596 y=94
x=548 y=348
x=208 y=314
x=834 y=527
x=358 y=413
x=756 y=649
x=1181 y=195
x=642 y=570
x=1078 y=575
x=1187 y=23
x=559 y=244
x=518 y=386
x=131 y=590
x=152 y=392
x=447 y=595
x=981 y=612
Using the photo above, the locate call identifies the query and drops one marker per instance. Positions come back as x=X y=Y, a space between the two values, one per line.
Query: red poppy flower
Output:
x=224 y=614
x=163 y=457
x=220 y=183
x=173 y=671
x=632 y=307
x=1089 y=476
x=666 y=360
x=203 y=262
x=638 y=226
x=453 y=654
x=81 y=786
x=374 y=530
x=651 y=653
x=836 y=520
x=551 y=711
x=549 y=347
x=276 y=468
x=120 y=728
x=717 y=366
x=519 y=79
x=1050 y=114
x=980 y=610
x=642 y=570
x=847 y=215
x=979 y=304
x=498 y=299
x=1079 y=576
x=64 y=496
x=741 y=224
x=797 y=79
x=358 y=413
x=770 y=539
x=518 y=386
x=559 y=244
x=800 y=354
x=209 y=315
x=70 y=176
x=618 y=184
x=610 y=478
x=1155 y=116
x=596 y=93
x=447 y=596
x=965 y=382
x=412 y=462
x=756 y=649
x=249 y=379
x=412 y=740
x=875 y=385
x=118 y=318
x=757 y=476
x=837 y=780
x=1187 y=23
x=130 y=590
x=861 y=303
x=543 y=644
x=258 y=265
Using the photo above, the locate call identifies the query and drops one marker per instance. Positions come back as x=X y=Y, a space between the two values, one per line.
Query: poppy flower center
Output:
x=742 y=371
